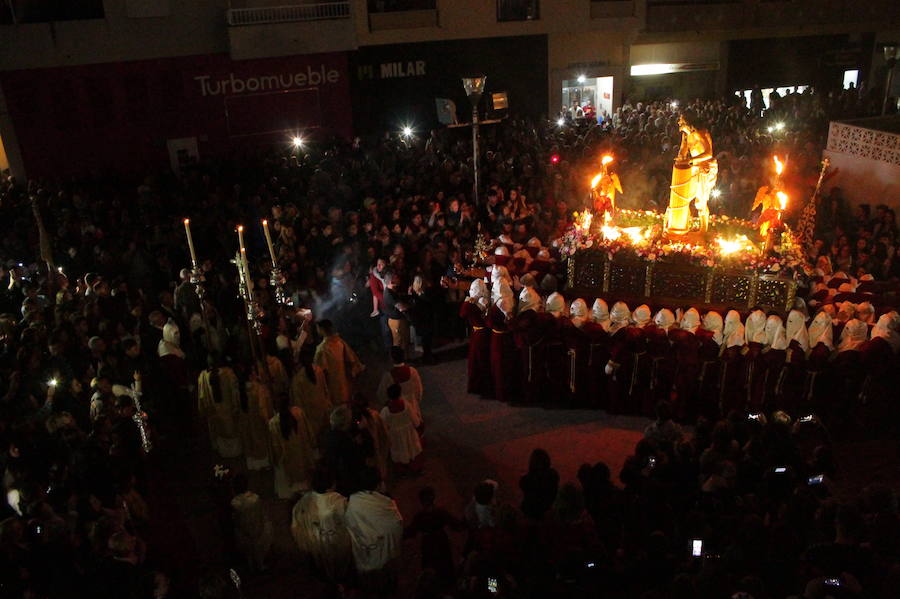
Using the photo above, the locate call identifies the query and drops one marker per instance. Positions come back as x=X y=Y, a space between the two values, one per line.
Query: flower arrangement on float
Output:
x=640 y=234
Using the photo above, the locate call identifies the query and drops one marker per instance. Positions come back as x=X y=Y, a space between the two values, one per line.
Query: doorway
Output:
x=593 y=93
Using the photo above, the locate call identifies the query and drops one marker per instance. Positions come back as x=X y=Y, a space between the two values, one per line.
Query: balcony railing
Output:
x=287 y=14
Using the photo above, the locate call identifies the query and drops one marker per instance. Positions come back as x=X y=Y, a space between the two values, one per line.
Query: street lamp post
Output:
x=891 y=54
x=474 y=87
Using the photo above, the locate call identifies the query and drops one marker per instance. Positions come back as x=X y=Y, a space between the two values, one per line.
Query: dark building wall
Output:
x=395 y=85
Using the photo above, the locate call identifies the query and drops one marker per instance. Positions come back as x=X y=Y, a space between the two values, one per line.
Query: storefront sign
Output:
x=392 y=70
x=238 y=85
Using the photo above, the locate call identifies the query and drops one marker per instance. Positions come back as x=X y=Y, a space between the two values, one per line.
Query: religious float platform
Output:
x=637 y=261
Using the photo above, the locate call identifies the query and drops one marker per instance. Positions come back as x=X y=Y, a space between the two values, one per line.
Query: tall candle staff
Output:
x=197 y=281
x=277 y=276
x=253 y=311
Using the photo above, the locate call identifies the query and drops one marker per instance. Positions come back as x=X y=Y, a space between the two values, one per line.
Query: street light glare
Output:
x=560 y=121
x=297 y=141
x=715 y=193
x=407 y=131
x=581 y=79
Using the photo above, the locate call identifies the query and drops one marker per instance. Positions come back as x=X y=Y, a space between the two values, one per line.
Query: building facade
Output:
x=126 y=84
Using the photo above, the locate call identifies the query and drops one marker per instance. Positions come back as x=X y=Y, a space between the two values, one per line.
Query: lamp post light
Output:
x=474 y=87
x=891 y=55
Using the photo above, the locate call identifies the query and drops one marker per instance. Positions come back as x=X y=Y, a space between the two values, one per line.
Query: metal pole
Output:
x=475 y=150
x=887 y=86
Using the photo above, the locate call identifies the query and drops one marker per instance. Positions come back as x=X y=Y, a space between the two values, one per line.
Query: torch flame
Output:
x=596 y=180
x=606 y=159
x=779 y=165
x=782 y=199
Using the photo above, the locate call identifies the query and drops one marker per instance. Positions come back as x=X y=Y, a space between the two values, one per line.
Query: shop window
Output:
x=587 y=98
x=851 y=78
x=518 y=10
x=399 y=5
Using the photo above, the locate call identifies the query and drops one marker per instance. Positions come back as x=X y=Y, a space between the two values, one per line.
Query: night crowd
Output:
x=111 y=358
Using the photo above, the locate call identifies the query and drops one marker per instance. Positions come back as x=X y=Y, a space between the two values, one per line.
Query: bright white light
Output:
x=297 y=141
x=715 y=193
x=770 y=129
x=581 y=79
x=640 y=70
x=560 y=121
x=779 y=126
x=674 y=104
x=407 y=131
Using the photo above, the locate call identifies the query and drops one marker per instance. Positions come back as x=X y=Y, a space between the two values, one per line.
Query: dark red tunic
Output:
x=504 y=358
x=479 y=369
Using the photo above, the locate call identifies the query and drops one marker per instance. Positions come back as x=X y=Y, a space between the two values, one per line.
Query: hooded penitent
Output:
x=556 y=304
x=619 y=317
x=755 y=330
x=600 y=313
x=579 y=312
x=664 y=319
x=529 y=300
x=691 y=320
x=796 y=329
x=712 y=322
x=821 y=330
x=853 y=335
x=641 y=315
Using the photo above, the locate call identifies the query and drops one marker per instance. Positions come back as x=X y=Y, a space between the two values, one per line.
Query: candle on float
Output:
x=187 y=230
x=247 y=276
x=265 y=225
x=240 y=230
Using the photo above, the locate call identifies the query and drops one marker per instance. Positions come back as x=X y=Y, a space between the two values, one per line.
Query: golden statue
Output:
x=693 y=178
x=603 y=191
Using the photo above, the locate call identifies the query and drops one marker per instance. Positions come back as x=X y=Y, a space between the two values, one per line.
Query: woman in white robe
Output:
x=405 y=443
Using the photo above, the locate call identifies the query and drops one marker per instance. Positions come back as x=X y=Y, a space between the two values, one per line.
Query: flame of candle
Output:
x=782 y=199
x=606 y=159
x=779 y=165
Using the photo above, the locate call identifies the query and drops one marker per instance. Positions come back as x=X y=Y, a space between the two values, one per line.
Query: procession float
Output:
x=684 y=256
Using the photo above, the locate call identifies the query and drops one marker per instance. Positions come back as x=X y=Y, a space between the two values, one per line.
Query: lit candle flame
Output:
x=606 y=159
x=732 y=246
x=610 y=233
x=782 y=199
x=779 y=165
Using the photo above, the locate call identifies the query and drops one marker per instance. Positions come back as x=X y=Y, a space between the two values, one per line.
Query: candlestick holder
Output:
x=278 y=280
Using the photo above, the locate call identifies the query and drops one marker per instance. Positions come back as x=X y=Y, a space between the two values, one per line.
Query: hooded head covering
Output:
x=529 y=300
x=579 y=312
x=505 y=303
x=756 y=327
x=556 y=304
x=543 y=254
x=534 y=242
x=735 y=336
x=600 y=313
x=505 y=239
x=528 y=280
x=499 y=272
x=865 y=312
x=846 y=311
x=501 y=250
x=500 y=289
x=691 y=320
x=712 y=321
x=796 y=329
x=773 y=324
x=641 y=315
x=732 y=321
x=780 y=341
x=887 y=329
x=477 y=289
x=619 y=316
x=821 y=331
x=664 y=319
x=853 y=335
x=170 y=344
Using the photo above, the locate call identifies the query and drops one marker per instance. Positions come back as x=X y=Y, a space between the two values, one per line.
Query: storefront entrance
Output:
x=586 y=96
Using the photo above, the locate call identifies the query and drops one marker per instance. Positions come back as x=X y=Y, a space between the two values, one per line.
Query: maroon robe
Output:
x=732 y=376
x=792 y=379
x=479 y=368
x=529 y=329
x=557 y=362
x=687 y=371
x=578 y=345
x=628 y=347
x=662 y=368
x=598 y=356
x=708 y=380
x=504 y=357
